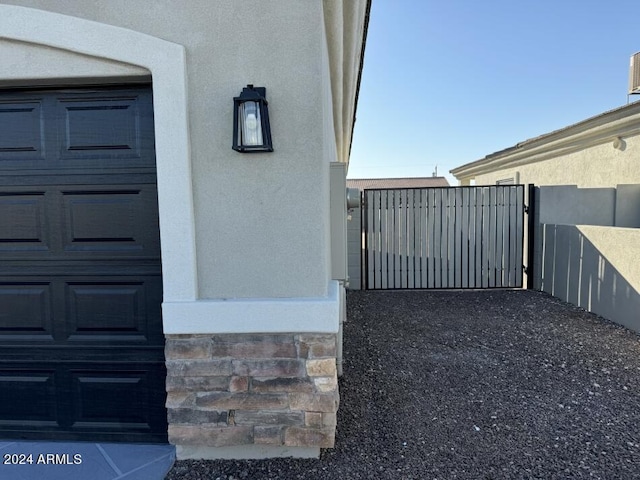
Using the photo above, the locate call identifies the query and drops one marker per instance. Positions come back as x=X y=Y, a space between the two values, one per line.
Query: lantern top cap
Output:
x=251 y=93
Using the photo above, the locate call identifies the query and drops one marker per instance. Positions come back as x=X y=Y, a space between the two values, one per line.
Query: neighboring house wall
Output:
x=248 y=292
x=597 y=152
x=587 y=209
x=596 y=166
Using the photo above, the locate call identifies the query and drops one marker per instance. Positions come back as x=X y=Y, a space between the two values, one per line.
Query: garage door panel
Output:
x=22 y=127
x=33 y=396
x=99 y=126
x=111 y=397
x=120 y=309
x=26 y=310
x=93 y=355
x=98 y=217
x=110 y=220
x=77 y=130
x=22 y=221
x=105 y=132
x=115 y=311
x=61 y=222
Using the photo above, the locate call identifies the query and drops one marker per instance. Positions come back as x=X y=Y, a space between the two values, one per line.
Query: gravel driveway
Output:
x=473 y=385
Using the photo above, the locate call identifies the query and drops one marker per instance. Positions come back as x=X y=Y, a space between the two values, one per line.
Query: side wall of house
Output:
x=247 y=206
x=250 y=311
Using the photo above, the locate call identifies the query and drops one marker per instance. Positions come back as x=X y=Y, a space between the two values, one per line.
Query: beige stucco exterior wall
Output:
x=246 y=239
x=599 y=165
x=258 y=217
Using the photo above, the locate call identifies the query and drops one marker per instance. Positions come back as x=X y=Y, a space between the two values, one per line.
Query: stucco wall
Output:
x=600 y=165
x=245 y=238
x=258 y=217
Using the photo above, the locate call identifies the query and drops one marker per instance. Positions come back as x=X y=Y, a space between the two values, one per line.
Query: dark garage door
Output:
x=81 y=343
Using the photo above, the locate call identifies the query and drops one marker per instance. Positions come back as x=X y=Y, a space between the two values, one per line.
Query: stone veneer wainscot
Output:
x=241 y=389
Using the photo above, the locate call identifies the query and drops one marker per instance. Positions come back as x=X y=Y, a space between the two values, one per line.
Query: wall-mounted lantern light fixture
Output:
x=251 y=129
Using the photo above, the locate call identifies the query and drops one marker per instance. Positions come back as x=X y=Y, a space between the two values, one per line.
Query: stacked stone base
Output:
x=278 y=390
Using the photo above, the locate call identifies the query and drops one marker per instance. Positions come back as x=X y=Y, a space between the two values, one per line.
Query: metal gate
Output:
x=444 y=237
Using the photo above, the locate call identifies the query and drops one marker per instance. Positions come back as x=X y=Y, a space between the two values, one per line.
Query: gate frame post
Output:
x=364 y=229
x=531 y=226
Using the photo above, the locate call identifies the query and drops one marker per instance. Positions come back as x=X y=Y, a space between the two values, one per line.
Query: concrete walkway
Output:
x=21 y=460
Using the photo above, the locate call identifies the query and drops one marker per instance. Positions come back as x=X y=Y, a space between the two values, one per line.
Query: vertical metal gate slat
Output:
x=404 y=243
x=479 y=235
x=444 y=237
x=471 y=239
x=513 y=239
x=411 y=240
x=519 y=244
x=492 y=237
x=447 y=280
x=437 y=233
x=499 y=236
x=417 y=238
x=464 y=239
x=384 y=228
x=484 y=269
x=458 y=223
x=398 y=240
x=424 y=243
x=369 y=244
x=431 y=232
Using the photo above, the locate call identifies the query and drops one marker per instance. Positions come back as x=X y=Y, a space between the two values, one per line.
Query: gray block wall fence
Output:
x=568 y=265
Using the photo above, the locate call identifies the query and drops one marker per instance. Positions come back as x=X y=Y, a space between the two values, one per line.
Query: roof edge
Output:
x=360 y=68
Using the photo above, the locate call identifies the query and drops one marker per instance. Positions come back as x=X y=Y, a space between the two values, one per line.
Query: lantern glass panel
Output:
x=251 y=124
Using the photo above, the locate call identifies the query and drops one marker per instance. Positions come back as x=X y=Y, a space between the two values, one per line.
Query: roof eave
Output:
x=360 y=68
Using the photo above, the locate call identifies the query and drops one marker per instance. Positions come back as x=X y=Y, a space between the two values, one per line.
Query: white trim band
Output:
x=255 y=315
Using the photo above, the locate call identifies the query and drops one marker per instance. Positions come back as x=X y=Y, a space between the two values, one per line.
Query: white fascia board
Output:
x=255 y=315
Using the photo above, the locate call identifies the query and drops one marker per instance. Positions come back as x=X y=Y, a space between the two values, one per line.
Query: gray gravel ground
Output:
x=473 y=385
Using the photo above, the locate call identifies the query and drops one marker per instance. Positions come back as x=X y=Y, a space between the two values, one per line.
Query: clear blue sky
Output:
x=446 y=82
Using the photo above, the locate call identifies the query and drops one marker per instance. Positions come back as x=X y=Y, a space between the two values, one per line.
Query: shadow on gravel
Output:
x=473 y=385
